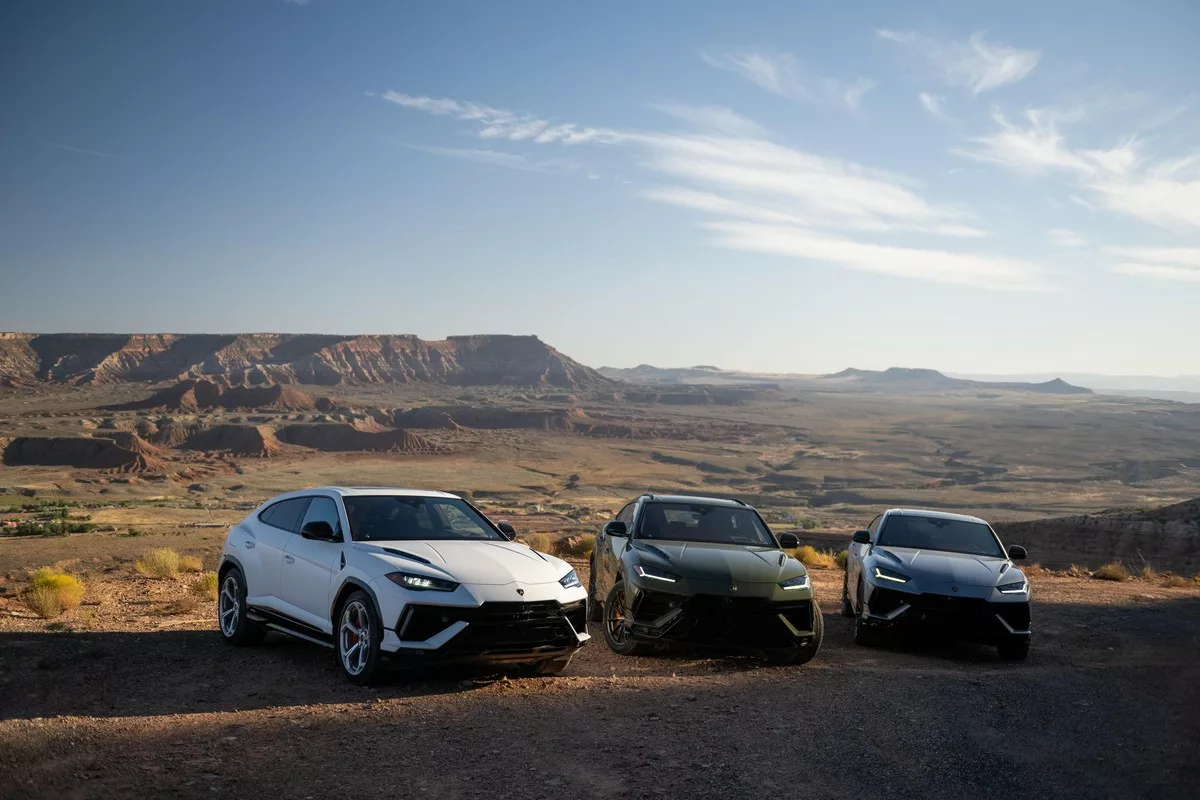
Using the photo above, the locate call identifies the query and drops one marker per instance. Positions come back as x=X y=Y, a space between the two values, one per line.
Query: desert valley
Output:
x=113 y=446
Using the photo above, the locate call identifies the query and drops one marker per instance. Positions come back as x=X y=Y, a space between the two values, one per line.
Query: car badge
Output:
x=522 y=591
x=733 y=588
x=954 y=588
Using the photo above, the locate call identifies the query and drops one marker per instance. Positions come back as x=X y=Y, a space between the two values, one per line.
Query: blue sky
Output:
x=779 y=186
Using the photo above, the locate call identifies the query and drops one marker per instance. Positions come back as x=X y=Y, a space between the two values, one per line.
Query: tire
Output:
x=233 y=619
x=847 y=609
x=864 y=635
x=802 y=655
x=547 y=668
x=595 y=608
x=1014 y=649
x=616 y=636
x=357 y=633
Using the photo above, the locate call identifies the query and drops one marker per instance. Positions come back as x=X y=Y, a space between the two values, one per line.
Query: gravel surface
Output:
x=1106 y=706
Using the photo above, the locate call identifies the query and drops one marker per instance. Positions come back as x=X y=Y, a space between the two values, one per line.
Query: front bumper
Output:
x=508 y=623
x=723 y=621
x=976 y=619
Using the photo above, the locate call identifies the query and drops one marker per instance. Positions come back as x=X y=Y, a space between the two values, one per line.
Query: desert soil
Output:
x=142 y=704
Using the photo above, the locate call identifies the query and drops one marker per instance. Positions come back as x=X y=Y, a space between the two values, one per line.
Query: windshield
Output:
x=376 y=518
x=687 y=522
x=934 y=533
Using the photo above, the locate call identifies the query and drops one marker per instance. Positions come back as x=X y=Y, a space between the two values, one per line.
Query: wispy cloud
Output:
x=976 y=64
x=781 y=74
x=1162 y=263
x=713 y=118
x=556 y=166
x=765 y=197
x=84 y=151
x=932 y=104
x=1122 y=179
x=1063 y=237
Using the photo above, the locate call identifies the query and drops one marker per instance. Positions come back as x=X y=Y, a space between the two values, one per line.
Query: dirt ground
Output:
x=135 y=703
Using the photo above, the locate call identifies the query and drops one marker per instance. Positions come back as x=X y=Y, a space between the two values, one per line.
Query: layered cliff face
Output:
x=252 y=359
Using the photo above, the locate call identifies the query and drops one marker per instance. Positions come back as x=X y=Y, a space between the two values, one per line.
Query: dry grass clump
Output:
x=1148 y=573
x=574 y=546
x=1076 y=571
x=1172 y=581
x=206 y=586
x=191 y=564
x=841 y=557
x=1035 y=569
x=51 y=592
x=1112 y=572
x=810 y=556
x=538 y=541
x=182 y=605
x=158 y=562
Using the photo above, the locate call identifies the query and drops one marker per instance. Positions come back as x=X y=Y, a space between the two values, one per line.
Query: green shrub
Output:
x=841 y=557
x=1112 y=572
x=158 y=562
x=51 y=592
x=538 y=541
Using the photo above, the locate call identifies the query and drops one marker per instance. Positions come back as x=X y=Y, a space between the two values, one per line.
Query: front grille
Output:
x=884 y=601
x=496 y=627
x=743 y=621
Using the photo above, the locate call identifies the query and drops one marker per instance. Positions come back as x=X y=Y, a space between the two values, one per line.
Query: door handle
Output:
x=289 y=559
x=249 y=545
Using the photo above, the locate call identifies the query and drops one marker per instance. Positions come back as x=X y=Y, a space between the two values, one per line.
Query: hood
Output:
x=961 y=569
x=720 y=562
x=481 y=563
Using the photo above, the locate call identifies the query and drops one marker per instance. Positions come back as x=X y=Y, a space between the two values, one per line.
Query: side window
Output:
x=285 y=514
x=626 y=514
x=325 y=510
x=874 y=526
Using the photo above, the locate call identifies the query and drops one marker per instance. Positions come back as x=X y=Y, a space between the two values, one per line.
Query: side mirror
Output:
x=861 y=537
x=1017 y=553
x=508 y=530
x=319 y=530
x=788 y=541
x=616 y=528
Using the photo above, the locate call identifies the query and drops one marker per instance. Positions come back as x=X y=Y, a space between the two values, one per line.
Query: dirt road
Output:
x=1108 y=705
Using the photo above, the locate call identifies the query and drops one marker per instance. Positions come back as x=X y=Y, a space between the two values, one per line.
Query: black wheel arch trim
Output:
x=358 y=584
x=226 y=562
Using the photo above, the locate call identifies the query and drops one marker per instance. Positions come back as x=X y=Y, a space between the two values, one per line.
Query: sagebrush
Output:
x=52 y=592
x=538 y=541
x=1112 y=572
x=206 y=586
x=158 y=562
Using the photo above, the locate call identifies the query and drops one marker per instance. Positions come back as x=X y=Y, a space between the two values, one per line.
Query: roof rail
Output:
x=739 y=502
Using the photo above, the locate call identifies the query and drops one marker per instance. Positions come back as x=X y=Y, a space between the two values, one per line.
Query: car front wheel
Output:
x=616 y=624
x=358 y=635
x=1014 y=650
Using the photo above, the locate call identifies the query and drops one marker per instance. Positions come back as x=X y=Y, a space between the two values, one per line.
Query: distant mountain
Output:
x=1181 y=388
x=251 y=359
x=902 y=380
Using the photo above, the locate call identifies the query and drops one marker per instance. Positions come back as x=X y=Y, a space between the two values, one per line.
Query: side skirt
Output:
x=285 y=624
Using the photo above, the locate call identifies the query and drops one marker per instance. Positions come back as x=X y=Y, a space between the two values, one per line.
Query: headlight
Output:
x=1020 y=587
x=890 y=575
x=421 y=583
x=570 y=580
x=798 y=582
x=655 y=574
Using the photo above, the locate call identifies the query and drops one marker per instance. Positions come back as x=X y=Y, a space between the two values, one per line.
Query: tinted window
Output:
x=934 y=533
x=626 y=514
x=324 y=510
x=874 y=526
x=285 y=514
x=697 y=522
x=399 y=518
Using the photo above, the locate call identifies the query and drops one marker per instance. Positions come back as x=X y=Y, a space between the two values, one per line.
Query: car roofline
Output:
x=928 y=512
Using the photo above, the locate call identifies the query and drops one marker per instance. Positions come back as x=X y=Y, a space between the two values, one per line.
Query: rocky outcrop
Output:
x=347 y=437
x=121 y=452
x=205 y=395
x=319 y=359
x=1167 y=538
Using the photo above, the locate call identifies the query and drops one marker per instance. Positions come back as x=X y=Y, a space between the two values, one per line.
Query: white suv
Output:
x=372 y=572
